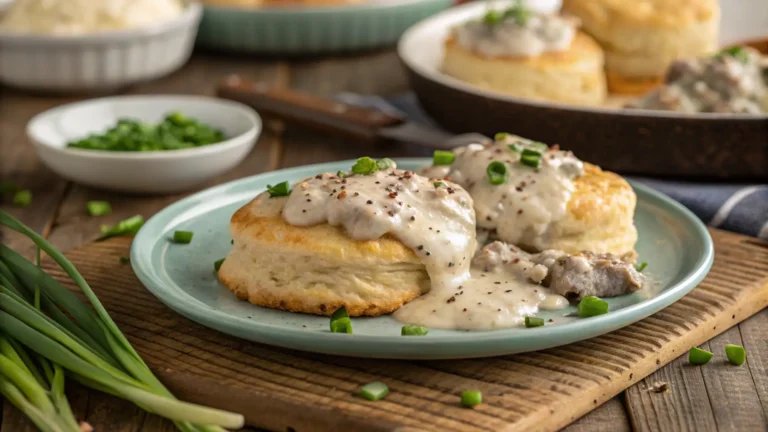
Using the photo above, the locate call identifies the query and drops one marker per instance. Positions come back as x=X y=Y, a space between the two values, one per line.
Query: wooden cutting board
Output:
x=284 y=390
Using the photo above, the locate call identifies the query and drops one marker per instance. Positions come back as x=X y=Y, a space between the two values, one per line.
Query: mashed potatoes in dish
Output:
x=77 y=17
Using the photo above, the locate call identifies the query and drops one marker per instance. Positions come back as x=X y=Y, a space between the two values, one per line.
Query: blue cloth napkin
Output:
x=741 y=208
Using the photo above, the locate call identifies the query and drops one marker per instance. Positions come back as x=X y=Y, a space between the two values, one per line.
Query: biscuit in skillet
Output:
x=642 y=37
x=572 y=76
x=316 y=269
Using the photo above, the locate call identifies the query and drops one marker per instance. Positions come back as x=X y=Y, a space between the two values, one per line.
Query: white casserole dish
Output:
x=98 y=62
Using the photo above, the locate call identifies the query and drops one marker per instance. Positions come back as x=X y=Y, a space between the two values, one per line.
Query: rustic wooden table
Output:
x=700 y=399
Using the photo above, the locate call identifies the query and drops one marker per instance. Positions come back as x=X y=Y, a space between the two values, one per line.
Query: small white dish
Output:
x=142 y=172
x=98 y=62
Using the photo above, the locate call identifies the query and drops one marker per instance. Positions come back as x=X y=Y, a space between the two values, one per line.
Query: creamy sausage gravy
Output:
x=436 y=222
x=522 y=209
x=734 y=81
x=435 y=217
x=500 y=293
x=517 y=32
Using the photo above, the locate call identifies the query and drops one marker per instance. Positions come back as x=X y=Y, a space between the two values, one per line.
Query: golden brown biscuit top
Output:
x=644 y=12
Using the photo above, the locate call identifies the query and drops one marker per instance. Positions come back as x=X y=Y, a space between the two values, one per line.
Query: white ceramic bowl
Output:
x=142 y=172
x=98 y=62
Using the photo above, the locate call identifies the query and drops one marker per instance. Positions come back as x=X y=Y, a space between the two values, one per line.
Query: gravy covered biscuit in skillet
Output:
x=371 y=241
x=642 y=37
x=539 y=197
x=521 y=53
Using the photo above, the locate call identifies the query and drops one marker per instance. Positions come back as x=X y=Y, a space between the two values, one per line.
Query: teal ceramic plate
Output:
x=673 y=241
x=306 y=30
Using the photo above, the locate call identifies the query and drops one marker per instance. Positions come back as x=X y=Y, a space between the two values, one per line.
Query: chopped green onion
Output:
x=413 y=330
x=340 y=313
x=736 y=354
x=340 y=322
x=640 y=267
x=531 y=321
x=520 y=13
x=175 y=132
x=497 y=172
x=440 y=157
x=98 y=208
x=539 y=146
x=698 y=356
x=217 y=264
x=22 y=198
x=124 y=260
x=517 y=148
x=182 y=237
x=374 y=391
x=279 y=190
x=438 y=184
x=125 y=227
x=736 y=52
x=341 y=174
x=530 y=158
x=470 y=398
x=591 y=306
x=500 y=136
x=493 y=17
x=385 y=163
x=341 y=325
x=365 y=166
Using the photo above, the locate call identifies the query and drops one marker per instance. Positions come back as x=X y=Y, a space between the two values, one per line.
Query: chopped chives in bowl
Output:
x=98 y=208
x=374 y=391
x=175 y=132
x=184 y=237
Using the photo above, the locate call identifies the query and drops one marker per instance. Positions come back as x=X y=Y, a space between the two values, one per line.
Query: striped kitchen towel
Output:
x=741 y=208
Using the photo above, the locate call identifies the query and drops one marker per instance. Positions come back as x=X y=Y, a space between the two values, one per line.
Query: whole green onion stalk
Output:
x=47 y=333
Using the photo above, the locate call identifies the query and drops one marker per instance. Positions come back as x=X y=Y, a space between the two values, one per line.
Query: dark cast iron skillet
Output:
x=628 y=141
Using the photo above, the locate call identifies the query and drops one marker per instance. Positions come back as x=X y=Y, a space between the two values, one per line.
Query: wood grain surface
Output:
x=541 y=391
x=58 y=211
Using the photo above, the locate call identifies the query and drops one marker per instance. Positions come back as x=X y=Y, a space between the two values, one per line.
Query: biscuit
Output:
x=641 y=38
x=599 y=216
x=316 y=269
x=573 y=76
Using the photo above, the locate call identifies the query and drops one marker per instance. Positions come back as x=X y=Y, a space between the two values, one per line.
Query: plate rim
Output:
x=436 y=76
x=408 y=348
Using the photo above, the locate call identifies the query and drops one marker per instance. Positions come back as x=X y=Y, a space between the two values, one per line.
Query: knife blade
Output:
x=337 y=118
